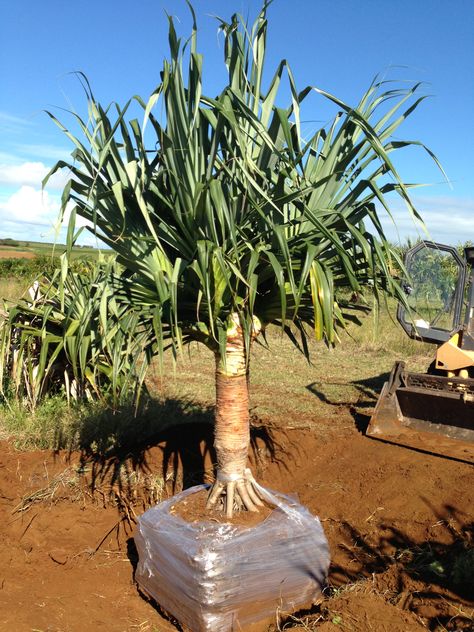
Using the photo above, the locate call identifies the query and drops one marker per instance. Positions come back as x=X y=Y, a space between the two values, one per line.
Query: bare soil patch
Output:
x=399 y=524
x=193 y=509
x=14 y=253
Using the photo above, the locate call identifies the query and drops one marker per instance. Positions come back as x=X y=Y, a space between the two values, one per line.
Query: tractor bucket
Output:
x=426 y=412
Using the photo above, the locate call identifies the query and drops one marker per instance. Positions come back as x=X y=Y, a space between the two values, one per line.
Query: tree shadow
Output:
x=165 y=448
x=368 y=390
x=433 y=579
x=116 y=446
x=173 y=439
x=437 y=575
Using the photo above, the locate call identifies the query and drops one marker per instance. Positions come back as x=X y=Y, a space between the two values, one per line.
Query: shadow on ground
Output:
x=433 y=579
x=447 y=565
x=172 y=440
x=367 y=389
x=117 y=448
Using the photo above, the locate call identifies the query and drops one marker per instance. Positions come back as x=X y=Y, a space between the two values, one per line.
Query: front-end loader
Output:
x=434 y=411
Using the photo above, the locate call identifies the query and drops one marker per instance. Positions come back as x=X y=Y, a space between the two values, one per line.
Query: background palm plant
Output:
x=73 y=334
x=227 y=219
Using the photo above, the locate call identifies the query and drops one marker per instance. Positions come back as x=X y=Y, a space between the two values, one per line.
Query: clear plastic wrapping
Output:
x=218 y=577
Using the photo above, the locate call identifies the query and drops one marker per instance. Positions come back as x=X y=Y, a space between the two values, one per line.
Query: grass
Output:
x=288 y=391
x=94 y=428
x=41 y=429
x=66 y=480
x=12 y=289
x=26 y=261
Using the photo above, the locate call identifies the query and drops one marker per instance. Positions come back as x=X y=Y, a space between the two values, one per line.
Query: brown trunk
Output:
x=232 y=431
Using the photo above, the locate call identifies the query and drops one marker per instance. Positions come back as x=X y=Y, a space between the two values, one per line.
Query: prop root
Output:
x=239 y=494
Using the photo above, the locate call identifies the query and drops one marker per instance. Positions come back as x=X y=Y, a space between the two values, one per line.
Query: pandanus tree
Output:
x=226 y=218
x=73 y=334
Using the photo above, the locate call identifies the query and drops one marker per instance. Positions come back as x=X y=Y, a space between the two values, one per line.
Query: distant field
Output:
x=24 y=261
x=16 y=253
x=17 y=249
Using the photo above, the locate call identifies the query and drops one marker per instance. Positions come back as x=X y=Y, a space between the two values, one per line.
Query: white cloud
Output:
x=448 y=219
x=27 y=173
x=30 y=205
x=34 y=206
x=7 y=158
x=80 y=221
x=31 y=174
x=10 y=121
x=32 y=214
x=46 y=152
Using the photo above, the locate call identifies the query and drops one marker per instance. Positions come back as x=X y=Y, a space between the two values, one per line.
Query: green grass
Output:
x=42 y=429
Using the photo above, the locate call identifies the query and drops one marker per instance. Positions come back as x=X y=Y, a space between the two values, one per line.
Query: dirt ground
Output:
x=400 y=526
x=11 y=253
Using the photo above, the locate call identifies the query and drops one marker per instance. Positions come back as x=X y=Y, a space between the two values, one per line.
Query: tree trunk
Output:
x=234 y=480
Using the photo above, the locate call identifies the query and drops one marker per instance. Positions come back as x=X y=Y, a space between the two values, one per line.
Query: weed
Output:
x=152 y=486
x=453 y=568
x=12 y=288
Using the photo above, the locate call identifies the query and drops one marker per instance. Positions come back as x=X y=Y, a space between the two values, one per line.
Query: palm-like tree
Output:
x=233 y=220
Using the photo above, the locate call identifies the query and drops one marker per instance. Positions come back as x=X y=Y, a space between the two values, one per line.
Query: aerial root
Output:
x=239 y=494
x=215 y=492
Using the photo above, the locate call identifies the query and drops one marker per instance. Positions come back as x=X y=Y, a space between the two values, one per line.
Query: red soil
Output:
x=6 y=253
x=395 y=519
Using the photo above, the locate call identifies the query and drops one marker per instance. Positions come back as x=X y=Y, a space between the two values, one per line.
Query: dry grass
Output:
x=66 y=482
x=330 y=610
x=290 y=392
x=128 y=489
x=15 y=253
x=11 y=289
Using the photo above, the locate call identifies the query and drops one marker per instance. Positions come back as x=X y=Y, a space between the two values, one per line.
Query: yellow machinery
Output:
x=434 y=411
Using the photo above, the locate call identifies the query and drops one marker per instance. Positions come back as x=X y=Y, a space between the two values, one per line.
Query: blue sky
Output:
x=337 y=45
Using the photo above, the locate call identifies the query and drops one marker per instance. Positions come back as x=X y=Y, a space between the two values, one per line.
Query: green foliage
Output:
x=30 y=269
x=24 y=268
x=93 y=427
x=225 y=206
x=402 y=249
x=41 y=428
x=434 y=283
x=7 y=241
x=453 y=567
x=74 y=336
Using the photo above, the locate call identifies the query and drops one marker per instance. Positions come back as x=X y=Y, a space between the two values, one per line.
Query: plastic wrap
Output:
x=219 y=577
